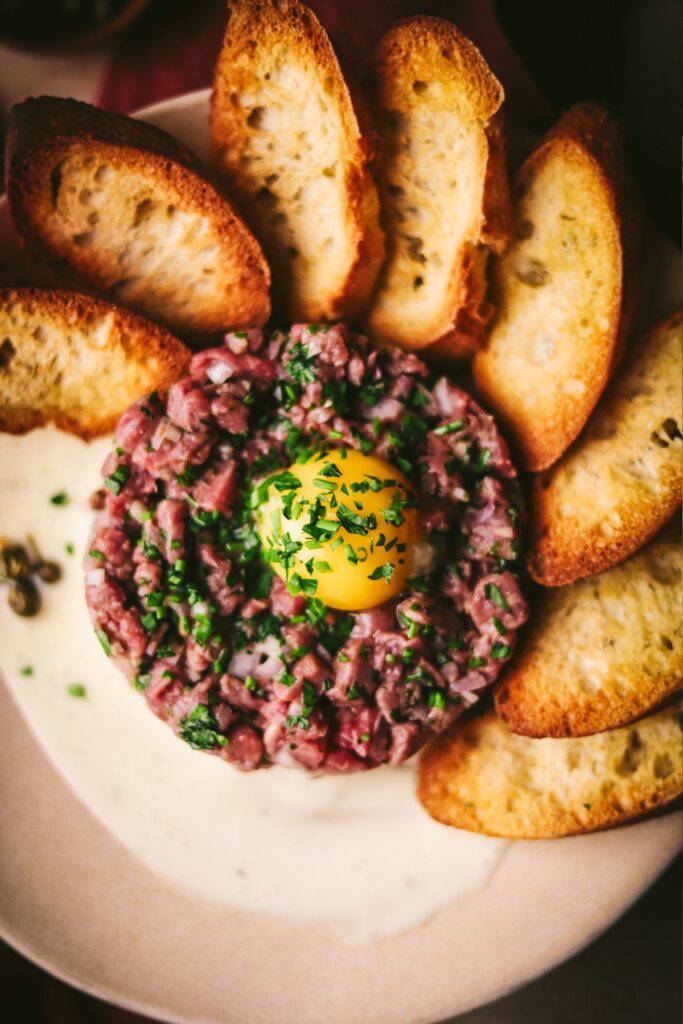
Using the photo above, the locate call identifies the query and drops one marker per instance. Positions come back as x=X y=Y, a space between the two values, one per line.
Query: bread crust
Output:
x=541 y=370
x=44 y=133
x=259 y=38
x=481 y=777
x=621 y=481
x=77 y=362
x=601 y=652
x=412 y=54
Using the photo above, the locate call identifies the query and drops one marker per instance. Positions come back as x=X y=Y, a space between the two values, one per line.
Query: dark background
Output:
x=549 y=54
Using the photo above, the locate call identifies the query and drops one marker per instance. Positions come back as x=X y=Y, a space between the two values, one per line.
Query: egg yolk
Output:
x=340 y=527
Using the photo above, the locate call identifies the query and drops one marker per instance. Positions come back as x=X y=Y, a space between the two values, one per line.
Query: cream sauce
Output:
x=357 y=853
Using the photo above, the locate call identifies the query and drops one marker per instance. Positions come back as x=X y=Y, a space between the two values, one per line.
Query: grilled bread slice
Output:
x=443 y=186
x=76 y=361
x=482 y=777
x=560 y=288
x=622 y=480
x=601 y=652
x=119 y=205
x=287 y=143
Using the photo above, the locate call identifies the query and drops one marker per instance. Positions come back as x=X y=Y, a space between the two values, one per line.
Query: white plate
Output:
x=74 y=900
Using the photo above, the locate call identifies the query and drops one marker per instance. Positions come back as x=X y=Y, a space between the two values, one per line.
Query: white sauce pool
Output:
x=357 y=853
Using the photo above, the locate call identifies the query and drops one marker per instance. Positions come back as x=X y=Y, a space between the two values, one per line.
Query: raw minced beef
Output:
x=233 y=661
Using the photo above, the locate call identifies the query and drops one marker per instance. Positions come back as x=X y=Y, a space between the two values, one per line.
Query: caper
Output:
x=23 y=598
x=49 y=572
x=14 y=561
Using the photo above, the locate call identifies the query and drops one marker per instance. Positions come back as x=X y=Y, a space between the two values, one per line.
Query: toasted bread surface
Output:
x=622 y=480
x=287 y=143
x=443 y=187
x=559 y=288
x=601 y=652
x=77 y=362
x=121 y=206
x=480 y=776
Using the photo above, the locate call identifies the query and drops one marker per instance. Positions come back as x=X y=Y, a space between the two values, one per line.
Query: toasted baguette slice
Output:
x=559 y=288
x=76 y=361
x=622 y=480
x=121 y=206
x=443 y=187
x=287 y=143
x=482 y=777
x=601 y=652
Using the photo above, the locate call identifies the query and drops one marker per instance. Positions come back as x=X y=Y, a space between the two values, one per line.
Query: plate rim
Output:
x=117 y=997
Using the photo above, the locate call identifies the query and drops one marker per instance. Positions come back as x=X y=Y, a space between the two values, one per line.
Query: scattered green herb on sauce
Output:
x=76 y=690
x=61 y=498
x=27 y=670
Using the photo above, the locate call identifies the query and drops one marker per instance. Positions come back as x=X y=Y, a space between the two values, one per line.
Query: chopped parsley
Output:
x=200 y=729
x=118 y=479
x=59 y=499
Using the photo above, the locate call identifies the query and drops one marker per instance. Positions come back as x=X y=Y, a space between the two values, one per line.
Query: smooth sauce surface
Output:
x=356 y=853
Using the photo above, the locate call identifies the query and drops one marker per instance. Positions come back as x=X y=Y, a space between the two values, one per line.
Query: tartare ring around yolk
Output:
x=339 y=526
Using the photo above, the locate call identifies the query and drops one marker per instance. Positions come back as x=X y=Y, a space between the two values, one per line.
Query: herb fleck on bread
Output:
x=77 y=362
x=562 y=289
x=118 y=205
x=443 y=184
x=287 y=143
x=622 y=479
x=601 y=652
x=480 y=776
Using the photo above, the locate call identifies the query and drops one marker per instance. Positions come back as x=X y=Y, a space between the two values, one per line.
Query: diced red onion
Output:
x=422 y=558
x=442 y=397
x=385 y=409
x=219 y=372
x=166 y=431
x=236 y=344
x=137 y=511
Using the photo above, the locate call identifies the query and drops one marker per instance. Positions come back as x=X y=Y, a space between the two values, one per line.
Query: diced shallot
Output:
x=219 y=372
x=385 y=409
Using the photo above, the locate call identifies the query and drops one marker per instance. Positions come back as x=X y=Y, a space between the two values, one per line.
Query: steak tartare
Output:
x=260 y=672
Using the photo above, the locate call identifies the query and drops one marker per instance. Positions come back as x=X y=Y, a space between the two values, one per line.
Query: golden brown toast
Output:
x=601 y=652
x=622 y=480
x=443 y=187
x=77 y=362
x=119 y=205
x=287 y=143
x=559 y=289
x=480 y=776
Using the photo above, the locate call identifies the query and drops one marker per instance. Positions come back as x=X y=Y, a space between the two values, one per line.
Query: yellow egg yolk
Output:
x=340 y=527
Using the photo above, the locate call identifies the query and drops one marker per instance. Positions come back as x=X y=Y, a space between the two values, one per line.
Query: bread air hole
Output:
x=143 y=211
x=84 y=239
x=255 y=118
x=419 y=86
x=671 y=429
x=55 y=183
x=85 y=196
x=633 y=756
x=103 y=174
x=663 y=766
x=666 y=643
x=7 y=353
x=532 y=273
x=418 y=282
x=525 y=230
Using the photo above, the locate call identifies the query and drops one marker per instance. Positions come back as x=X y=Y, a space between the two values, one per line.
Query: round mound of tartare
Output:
x=307 y=551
